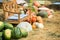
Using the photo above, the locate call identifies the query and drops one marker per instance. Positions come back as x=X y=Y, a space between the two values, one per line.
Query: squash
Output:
x=43 y=14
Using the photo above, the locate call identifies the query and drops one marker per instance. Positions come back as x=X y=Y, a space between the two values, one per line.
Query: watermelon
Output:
x=7 y=34
x=24 y=32
x=42 y=14
x=1 y=35
x=16 y=33
x=0 y=38
x=1 y=25
x=8 y=26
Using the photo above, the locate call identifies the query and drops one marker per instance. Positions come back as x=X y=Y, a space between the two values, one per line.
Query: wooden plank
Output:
x=6 y=15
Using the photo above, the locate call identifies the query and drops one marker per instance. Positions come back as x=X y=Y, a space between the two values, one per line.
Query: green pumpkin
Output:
x=42 y=14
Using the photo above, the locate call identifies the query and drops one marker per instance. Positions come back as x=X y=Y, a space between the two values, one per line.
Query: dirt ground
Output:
x=51 y=31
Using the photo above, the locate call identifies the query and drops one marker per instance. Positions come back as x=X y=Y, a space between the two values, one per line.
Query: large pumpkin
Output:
x=25 y=25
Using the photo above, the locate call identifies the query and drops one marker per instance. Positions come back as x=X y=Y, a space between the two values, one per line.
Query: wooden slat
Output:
x=13 y=21
x=12 y=12
x=10 y=6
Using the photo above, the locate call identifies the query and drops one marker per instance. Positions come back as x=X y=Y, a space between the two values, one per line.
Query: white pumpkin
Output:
x=25 y=25
x=39 y=25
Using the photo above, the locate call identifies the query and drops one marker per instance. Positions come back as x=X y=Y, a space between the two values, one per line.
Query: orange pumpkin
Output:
x=40 y=20
x=33 y=19
x=34 y=27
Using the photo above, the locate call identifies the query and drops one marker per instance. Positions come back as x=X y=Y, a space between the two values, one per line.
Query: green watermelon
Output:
x=1 y=25
x=7 y=34
x=1 y=35
x=24 y=32
x=0 y=38
x=16 y=33
x=8 y=26
x=42 y=14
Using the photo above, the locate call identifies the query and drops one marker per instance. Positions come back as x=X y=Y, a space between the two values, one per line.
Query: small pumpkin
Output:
x=36 y=3
x=33 y=19
x=33 y=26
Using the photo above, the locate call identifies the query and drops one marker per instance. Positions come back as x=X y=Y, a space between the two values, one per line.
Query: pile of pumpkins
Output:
x=8 y=32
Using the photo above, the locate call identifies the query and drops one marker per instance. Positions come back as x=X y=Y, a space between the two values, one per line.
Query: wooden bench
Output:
x=10 y=8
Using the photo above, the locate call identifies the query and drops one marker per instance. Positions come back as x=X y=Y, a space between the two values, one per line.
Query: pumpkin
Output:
x=36 y=4
x=39 y=25
x=49 y=12
x=33 y=26
x=33 y=19
x=39 y=19
x=42 y=14
x=25 y=25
